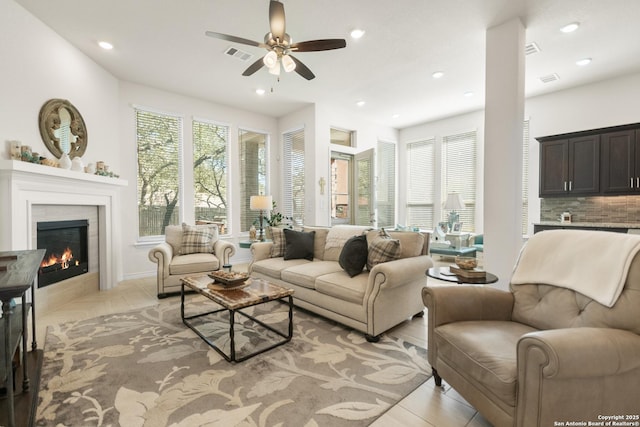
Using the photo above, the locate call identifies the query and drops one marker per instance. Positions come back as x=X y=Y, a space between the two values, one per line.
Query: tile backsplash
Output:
x=610 y=209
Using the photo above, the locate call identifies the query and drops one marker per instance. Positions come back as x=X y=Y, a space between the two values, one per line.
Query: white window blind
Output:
x=159 y=143
x=293 y=182
x=525 y=178
x=386 y=184
x=253 y=174
x=210 y=173
x=421 y=185
x=459 y=174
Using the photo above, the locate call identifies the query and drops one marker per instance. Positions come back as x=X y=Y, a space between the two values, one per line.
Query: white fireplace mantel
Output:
x=23 y=185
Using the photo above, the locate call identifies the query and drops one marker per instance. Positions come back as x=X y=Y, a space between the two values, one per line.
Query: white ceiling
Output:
x=161 y=43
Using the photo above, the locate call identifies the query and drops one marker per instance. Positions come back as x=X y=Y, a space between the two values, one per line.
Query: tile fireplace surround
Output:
x=24 y=185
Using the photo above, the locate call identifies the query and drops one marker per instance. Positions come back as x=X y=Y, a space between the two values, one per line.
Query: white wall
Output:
x=38 y=65
x=136 y=263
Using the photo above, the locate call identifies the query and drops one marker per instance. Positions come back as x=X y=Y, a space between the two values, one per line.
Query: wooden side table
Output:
x=18 y=271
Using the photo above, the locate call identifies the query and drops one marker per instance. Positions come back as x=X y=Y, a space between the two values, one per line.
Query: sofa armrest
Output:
x=581 y=352
x=223 y=250
x=400 y=272
x=457 y=303
x=598 y=367
x=260 y=251
x=162 y=255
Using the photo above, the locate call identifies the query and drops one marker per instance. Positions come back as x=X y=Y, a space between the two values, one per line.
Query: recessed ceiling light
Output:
x=395 y=116
x=260 y=91
x=584 y=61
x=437 y=74
x=468 y=94
x=357 y=33
x=105 y=45
x=570 y=28
x=360 y=103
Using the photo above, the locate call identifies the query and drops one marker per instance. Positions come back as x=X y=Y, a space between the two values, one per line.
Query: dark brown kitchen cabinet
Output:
x=570 y=166
x=621 y=162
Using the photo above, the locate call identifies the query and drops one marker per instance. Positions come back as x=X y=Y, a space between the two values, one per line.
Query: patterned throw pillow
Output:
x=277 y=236
x=196 y=240
x=383 y=249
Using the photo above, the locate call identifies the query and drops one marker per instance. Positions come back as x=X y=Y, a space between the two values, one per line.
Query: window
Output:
x=421 y=185
x=159 y=142
x=293 y=180
x=343 y=137
x=525 y=178
x=253 y=173
x=386 y=184
x=459 y=174
x=210 y=173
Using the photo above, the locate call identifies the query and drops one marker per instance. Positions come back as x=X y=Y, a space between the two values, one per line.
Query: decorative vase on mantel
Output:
x=65 y=161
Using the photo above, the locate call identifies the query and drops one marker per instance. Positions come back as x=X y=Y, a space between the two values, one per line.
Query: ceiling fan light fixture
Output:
x=288 y=64
x=275 y=70
x=271 y=59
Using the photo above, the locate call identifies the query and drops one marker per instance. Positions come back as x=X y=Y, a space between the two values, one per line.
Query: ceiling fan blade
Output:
x=317 y=45
x=235 y=39
x=254 y=67
x=302 y=69
x=276 y=20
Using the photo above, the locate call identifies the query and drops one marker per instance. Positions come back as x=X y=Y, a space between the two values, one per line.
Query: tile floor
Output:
x=427 y=406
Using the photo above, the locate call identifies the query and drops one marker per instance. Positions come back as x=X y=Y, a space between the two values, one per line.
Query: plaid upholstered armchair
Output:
x=188 y=250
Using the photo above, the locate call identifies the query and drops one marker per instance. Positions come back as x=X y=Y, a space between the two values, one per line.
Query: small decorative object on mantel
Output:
x=16 y=150
x=62 y=128
x=76 y=164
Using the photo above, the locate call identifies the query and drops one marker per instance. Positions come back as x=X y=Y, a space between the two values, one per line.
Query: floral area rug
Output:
x=146 y=368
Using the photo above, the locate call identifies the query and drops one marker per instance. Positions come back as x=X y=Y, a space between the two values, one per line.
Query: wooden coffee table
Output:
x=257 y=291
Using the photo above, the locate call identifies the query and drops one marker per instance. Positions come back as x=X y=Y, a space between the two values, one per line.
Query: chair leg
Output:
x=437 y=378
x=372 y=338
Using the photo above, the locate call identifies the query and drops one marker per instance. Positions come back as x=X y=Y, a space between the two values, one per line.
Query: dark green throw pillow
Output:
x=298 y=244
x=353 y=256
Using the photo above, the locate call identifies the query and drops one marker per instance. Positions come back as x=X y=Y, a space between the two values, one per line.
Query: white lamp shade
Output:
x=260 y=203
x=288 y=64
x=275 y=70
x=454 y=202
x=270 y=59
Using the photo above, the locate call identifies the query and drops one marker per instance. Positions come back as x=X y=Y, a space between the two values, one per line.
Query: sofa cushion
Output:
x=319 y=241
x=382 y=249
x=196 y=239
x=277 y=237
x=337 y=237
x=173 y=236
x=411 y=242
x=339 y=285
x=354 y=253
x=298 y=244
x=485 y=352
x=273 y=267
x=193 y=263
x=305 y=275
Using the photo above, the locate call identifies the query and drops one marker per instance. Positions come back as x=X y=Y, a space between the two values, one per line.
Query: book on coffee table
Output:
x=476 y=272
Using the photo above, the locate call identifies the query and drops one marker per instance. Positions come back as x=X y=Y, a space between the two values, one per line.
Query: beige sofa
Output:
x=173 y=265
x=543 y=353
x=370 y=302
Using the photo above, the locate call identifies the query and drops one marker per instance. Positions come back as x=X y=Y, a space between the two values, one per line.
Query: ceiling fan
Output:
x=279 y=46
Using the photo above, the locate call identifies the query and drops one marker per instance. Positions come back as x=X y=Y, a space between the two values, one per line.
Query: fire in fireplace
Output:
x=67 y=250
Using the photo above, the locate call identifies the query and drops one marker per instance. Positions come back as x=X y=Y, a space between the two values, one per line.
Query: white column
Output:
x=504 y=115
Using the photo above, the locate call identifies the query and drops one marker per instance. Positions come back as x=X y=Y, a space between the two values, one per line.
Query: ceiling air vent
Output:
x=549 y=78
x=239 y=54
x=531 y=48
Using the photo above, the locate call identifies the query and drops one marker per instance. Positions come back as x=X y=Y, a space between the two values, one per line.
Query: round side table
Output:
x=443 y=273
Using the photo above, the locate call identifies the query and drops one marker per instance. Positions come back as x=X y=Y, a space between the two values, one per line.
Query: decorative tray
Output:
x=228 y=278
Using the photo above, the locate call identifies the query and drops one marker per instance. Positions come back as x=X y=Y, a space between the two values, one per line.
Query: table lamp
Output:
x=454 y=202
x=262 y=204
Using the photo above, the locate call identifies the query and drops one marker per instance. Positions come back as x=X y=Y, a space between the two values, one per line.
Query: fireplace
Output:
x=67 y=253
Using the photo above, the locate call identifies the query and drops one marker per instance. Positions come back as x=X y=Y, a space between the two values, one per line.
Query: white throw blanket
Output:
x=593 y=263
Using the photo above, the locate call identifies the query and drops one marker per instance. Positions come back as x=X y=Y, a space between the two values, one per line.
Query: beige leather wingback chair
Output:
x=173 y=263
x=539 y=353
